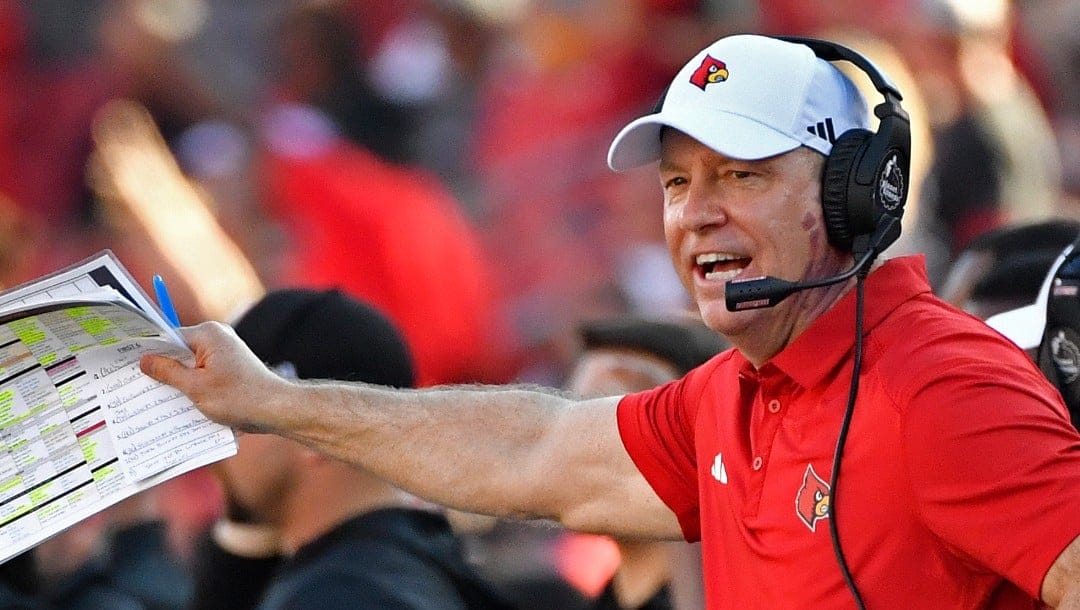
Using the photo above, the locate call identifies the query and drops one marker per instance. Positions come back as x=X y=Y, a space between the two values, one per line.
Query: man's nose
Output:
x=704 y=206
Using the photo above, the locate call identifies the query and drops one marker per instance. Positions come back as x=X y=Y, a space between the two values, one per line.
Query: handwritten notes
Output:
x=81 y=427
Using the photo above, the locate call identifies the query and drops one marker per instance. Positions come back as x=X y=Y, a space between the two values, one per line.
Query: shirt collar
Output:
x=829 y=339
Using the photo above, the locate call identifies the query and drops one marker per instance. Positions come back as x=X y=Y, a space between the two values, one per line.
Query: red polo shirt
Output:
x=961 y=474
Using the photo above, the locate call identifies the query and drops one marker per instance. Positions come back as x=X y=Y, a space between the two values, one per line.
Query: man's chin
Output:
x=717 y=317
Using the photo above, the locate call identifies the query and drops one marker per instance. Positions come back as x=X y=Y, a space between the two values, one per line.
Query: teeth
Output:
x=715 y=257
x=725 y=276
x=709 y=261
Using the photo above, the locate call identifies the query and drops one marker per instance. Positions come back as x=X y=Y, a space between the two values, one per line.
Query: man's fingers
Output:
x=207 y=335
x=226 y=376
x=165 y=369
x=175 y=373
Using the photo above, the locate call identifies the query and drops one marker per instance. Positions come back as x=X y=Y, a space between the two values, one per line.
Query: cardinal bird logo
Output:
x=812 y=501
x=710 y=71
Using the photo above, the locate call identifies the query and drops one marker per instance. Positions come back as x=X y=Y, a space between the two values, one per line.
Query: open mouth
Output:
x=718 y=266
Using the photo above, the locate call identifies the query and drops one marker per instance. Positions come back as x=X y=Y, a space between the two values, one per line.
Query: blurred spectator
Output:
x=120 y=558
x=391 y=235
x=996 y=159
x=545 y=567
x=305 y=531
x=629 y=355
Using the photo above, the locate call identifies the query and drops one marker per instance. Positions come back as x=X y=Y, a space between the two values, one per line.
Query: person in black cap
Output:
x=305 y=531
x=632 y=354
x=616 y=355
x=1049 y=328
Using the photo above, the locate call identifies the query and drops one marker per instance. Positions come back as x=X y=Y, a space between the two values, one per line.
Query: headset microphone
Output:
x=863 y=191
x=767 y=291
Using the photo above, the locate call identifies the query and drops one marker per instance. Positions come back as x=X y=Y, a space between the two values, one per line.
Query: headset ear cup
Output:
x=835 y=187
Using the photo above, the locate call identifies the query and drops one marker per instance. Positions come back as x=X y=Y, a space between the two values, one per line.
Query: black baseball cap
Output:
x=1021 y=254
x=686 y=344
x=326 y=334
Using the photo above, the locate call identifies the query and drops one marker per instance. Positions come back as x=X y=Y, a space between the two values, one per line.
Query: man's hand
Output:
x=228 y=383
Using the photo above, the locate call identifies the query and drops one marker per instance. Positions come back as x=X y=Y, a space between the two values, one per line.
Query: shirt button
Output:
x=757 y=463
x=774 y=406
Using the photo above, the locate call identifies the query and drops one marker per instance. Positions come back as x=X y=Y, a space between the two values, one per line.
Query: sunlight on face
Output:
x=728 y=219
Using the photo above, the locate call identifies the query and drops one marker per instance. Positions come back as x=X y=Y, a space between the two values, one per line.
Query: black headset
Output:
x=866 y=174
x=863 y=191
x=865 y=180
x=863 y=187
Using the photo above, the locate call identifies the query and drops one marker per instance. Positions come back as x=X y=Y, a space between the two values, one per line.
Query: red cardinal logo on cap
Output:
x=812 y=500
x=710 y=71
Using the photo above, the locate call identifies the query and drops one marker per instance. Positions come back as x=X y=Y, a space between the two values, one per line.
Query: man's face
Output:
x=726 y=219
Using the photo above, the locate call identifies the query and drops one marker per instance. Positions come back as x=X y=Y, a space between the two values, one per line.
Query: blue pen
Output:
x=165 y=301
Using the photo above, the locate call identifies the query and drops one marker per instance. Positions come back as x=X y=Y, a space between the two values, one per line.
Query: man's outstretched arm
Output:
x=507 y=451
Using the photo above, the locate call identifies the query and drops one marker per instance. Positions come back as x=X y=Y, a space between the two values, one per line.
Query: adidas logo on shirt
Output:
x=719 y=471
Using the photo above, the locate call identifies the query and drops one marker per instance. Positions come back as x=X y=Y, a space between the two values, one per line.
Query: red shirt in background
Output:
x=394 y=237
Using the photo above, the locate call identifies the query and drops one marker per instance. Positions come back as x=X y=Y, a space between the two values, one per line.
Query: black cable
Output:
x=834 y=482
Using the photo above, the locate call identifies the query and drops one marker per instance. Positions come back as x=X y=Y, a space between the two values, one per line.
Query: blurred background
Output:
x=445 y=159
x=300 y=124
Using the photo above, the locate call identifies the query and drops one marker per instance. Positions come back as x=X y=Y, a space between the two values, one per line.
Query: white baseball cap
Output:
x=748 y=97
x=1025 y=326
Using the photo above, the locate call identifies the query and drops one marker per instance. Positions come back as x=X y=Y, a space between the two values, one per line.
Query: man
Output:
x=631 y=354
x=306 y=531
x=962 y=471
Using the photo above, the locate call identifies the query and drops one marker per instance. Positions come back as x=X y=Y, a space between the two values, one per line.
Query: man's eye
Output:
x=742 y=174
x=676 y=181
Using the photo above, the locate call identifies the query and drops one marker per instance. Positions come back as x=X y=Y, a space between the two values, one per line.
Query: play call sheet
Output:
x=81 y=427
